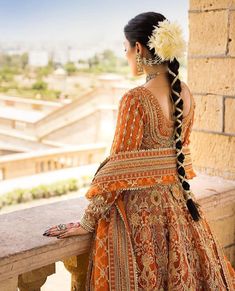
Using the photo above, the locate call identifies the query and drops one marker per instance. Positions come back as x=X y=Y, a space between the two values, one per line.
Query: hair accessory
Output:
x=151 y=61
x=167 y=41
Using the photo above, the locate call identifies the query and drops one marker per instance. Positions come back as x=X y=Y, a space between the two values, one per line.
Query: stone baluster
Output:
x=77 y=266
x=9 y=284
x=33 y=280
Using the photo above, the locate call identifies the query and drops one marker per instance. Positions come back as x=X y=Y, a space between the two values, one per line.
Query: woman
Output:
x=149 y=231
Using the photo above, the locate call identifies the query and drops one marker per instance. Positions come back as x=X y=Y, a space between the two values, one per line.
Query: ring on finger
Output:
x=61 y=226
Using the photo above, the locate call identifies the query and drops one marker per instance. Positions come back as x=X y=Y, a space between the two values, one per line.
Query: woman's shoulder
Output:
x=131 y=101
x=134 y=91
x=132 y=94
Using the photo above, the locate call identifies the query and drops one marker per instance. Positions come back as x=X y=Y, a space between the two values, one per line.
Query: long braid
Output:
x=173 y=72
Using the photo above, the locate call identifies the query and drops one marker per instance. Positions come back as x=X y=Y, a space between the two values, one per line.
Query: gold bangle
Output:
x=86 y=226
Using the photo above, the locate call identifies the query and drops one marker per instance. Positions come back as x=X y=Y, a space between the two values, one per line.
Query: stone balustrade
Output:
x=12 y=123
x=29 y=104
x=23 y=164
x=27 y=257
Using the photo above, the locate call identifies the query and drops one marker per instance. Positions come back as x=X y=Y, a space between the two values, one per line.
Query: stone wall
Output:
x=211 y=78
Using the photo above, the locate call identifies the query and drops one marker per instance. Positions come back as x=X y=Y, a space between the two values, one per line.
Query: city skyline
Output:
x=89 y=26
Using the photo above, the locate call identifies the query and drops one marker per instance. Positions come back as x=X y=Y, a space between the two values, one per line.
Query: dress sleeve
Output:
x=129 y=128
x=128 y=136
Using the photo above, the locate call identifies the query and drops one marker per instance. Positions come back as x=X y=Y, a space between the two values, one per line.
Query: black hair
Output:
x=140 y=29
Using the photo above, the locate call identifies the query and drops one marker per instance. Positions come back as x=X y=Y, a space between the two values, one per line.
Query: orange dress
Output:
x=144 y=237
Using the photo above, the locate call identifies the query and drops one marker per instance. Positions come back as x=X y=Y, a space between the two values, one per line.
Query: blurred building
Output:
x=38 y=58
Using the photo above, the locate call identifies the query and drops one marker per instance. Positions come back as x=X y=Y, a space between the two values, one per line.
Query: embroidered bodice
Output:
x=158 y=129
x=141 y=123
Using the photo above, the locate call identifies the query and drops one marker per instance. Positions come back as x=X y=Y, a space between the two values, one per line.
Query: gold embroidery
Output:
x=139 y=168
x=130 y=116
x=158 y=130
x=169 y=251
x=172 y=251
x=97 y=209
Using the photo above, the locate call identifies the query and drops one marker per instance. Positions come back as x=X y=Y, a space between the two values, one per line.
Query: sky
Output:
x=83 y=22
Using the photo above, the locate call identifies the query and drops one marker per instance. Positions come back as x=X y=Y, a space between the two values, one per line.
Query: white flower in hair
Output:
x=167 y=40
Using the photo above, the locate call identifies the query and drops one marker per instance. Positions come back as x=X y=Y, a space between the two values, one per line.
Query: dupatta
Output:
x=139 y=169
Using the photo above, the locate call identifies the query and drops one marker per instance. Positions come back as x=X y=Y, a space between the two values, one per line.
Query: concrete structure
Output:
x=17 y=119
x=91 y=118
x=26 y=164
x=38 y=58
x=211 y=77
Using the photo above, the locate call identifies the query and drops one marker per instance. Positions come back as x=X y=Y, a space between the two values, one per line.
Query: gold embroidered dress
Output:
x=143 y=235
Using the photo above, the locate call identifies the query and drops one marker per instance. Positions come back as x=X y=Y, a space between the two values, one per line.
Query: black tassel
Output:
x=192 y=207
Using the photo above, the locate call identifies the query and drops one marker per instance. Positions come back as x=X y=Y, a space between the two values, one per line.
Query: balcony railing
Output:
x=23 y=164
x=27 y=257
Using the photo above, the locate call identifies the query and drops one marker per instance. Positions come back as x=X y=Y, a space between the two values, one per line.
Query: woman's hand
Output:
x=69 y=229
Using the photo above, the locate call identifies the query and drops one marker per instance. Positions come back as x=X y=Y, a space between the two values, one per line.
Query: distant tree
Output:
x=45 y=71
x=24 y=60
x=7 y=73
x=94 y=61
x=39 y=85
x=109 y=55
x=70 y=68
x=109 y=59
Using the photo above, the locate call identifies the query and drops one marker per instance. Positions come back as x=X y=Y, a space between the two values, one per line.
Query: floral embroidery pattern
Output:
x=172 y=252
x=145 y=239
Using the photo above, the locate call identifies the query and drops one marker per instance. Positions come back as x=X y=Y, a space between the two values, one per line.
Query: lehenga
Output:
x=144 y=237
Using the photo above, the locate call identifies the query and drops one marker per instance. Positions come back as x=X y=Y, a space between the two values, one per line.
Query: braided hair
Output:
x=140 y=29
x=173 y=71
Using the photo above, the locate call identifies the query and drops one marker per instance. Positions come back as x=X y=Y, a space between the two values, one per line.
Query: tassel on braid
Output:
x=173 y=68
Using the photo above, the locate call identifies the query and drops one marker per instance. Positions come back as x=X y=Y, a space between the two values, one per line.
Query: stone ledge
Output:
x=217 y=198
x=214 y=189
x=31 y=250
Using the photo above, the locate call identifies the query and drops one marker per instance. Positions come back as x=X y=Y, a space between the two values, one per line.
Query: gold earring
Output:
x=139 y=63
